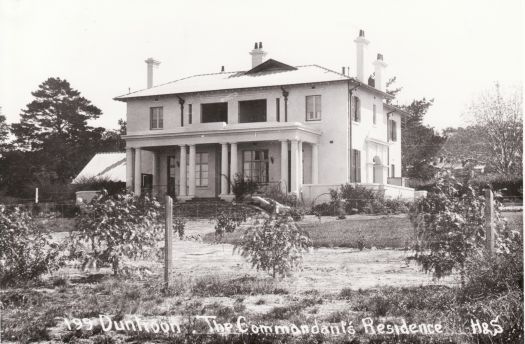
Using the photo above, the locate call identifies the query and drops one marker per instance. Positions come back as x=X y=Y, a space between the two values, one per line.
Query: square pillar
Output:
x=233 y=162
x=191 y=170
x=129 y=169
x=224 y=169
x=155 y=175
x=315 y=163
x=300 y=165
x=284 y=166
x=182 y=169
x=295 y=165
x=138 y=172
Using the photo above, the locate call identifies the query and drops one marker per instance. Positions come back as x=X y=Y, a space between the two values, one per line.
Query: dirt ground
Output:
x=327 y=270
x=324 y=269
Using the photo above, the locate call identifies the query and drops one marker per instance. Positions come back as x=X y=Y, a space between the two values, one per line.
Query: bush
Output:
x=324 y=209
x=275 y=193
x=275 y=245
x=228 y=221
x=242 y=187
x=98 y=183
x=179 y=225
x=449 y=225
x=110 y=228
x=26 y=252
x=507 y=185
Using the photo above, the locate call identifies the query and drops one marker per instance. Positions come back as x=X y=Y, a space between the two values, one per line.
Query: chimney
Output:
x=257 y=54
x=379 y=66
x=152 y=63
x=360 y=42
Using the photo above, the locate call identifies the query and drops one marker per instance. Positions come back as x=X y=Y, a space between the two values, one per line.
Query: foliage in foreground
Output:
x=26 y=251
x=110 y=229
x=275 y=245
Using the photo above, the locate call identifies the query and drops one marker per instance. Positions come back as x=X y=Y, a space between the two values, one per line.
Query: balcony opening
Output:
x=214 y=112
x=252 y=111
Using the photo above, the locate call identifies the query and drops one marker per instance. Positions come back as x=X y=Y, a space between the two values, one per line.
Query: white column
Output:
x=154 y=168
x=138 y=173
x=191 y=169
x=182 y=181
x=233 y=163
x=294 y=174
x=224 y=169
x=300 y=165
x=315 y=163
x=284 y=166
x=129 y=168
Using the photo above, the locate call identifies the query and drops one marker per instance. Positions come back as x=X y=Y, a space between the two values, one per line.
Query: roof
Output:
x=396 y=109
x=110 y=166
x=267 y=74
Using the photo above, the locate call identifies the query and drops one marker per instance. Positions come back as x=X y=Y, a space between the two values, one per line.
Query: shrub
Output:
x=179 y=224
x=242 y=186
x=100 y=183
x=26 y=252
x=449 y=225
x=275 y=245
x=275 y=193
x=110 y=228
x=228 y=221
x=507 y=185
x=324 y=209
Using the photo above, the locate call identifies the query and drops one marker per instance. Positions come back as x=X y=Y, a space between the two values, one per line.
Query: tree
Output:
x=275 y=245
x=498 y=122
x=111 y=228
x=419 y=143
x=55 y=125
x=4 y=131
x=450 y=226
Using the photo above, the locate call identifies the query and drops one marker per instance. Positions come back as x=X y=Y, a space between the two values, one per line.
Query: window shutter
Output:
x=352 y=166
x=358 y=166
x=394 y=131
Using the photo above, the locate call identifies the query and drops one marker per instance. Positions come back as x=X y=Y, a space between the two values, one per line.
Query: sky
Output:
x=446 y=50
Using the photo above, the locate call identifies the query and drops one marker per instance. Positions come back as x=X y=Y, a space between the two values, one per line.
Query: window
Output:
x=214 y=112
x=374 y=114
x=146 y=181
x=355 y=166
x=201 y=170
x=392 y=130
x=313 y=108
x=393 y=171
x=252 y=111
x=190 y=113
x=255 y=165
x=278 y=109
x=356 y=109
x=156 y=120
x=171 y=175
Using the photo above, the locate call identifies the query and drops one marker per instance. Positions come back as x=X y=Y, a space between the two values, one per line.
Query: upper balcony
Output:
x=221 y=132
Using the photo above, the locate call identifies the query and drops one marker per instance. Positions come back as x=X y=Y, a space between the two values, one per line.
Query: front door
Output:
x=171 y=176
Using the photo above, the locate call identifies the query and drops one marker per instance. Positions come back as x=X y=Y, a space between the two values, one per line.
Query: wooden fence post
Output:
x=489 y=224
x=168 y=242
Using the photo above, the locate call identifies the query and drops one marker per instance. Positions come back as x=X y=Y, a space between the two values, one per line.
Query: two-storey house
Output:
x=305 y=129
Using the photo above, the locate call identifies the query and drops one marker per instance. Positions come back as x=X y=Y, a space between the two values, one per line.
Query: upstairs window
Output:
x=313 y=108
x=156 y=120
x=190 y=113
x=252 y=111
x=214 y=112
x=374 y=114
x=392 y=130
x=356 y=109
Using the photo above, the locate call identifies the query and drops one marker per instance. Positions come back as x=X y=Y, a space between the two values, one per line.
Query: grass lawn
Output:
x=378 y=232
